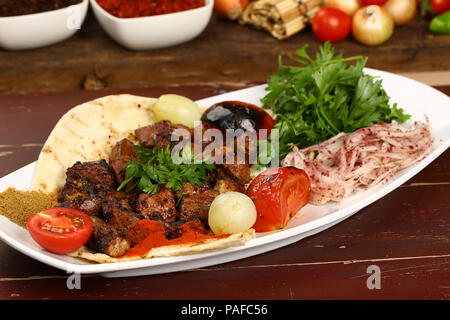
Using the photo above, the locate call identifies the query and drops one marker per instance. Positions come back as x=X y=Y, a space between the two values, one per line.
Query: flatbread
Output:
x=233 y=240
x=87 y=133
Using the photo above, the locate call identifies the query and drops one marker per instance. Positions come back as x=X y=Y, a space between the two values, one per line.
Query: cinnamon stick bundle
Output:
x=282 y=18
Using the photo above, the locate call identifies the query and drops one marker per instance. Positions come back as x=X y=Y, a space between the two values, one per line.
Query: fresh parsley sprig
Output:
x=156 y=167
x=319 y=98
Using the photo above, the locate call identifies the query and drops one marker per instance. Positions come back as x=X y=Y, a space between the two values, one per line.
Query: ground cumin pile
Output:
x=18 y=205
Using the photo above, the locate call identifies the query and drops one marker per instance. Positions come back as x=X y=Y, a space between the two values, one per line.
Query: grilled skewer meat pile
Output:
x=91 y=187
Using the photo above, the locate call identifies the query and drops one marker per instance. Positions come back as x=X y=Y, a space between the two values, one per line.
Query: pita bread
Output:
x=87 y=133
x=233 y=240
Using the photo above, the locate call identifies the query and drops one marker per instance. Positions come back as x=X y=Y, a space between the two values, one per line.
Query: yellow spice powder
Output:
x=18 y=206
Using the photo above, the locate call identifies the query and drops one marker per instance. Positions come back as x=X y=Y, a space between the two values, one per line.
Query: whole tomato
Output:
x=439 y=6
x=377 y=2
x=331 y=24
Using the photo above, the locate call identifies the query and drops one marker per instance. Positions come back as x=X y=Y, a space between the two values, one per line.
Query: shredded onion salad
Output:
x=368 y=157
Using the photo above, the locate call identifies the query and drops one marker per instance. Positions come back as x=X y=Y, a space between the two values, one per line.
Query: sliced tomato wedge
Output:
x=60 y=230
x=278 y=194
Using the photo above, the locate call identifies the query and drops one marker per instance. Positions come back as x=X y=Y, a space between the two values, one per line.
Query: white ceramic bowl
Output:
x=155 y=31
x=41 y=29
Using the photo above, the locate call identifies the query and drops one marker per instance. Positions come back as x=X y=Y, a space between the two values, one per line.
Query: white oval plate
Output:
x=414 y=97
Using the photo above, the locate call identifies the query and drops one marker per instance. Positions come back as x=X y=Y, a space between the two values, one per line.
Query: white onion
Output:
x=176 y=109
x=402 y=11
x=372 y=25
x=231 y=212
x=230 y=9
x=348 y=6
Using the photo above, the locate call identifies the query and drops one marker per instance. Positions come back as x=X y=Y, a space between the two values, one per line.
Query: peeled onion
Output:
x=348 y=6
x=176 y=109
x=231 y=212
x=372 y=25
x=402 y=11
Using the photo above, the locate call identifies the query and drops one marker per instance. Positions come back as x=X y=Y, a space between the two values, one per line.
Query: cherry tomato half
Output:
x=60 y=230
x=331 y=24
x=278 y=194
x=370 y=2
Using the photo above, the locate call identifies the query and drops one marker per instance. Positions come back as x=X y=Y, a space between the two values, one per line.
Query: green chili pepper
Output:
x=441 y=23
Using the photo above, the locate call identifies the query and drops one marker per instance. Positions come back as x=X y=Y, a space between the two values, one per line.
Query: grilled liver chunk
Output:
x=95 y=173
x=121 y=154
x=106 y=240
x=158 y=134
x=123 y=220
x=227 y=184
x=161 y=204
x=196 y=202
x=90 y=206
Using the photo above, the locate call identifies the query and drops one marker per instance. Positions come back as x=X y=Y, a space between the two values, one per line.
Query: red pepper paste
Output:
x=145 y=8
x=192 y=231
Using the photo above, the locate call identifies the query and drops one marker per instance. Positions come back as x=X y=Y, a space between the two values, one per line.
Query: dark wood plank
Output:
x=225 y=52
x=426 y=279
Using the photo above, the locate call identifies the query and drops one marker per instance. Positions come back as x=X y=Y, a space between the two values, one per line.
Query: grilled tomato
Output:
x=278 y=194
x=60 y=230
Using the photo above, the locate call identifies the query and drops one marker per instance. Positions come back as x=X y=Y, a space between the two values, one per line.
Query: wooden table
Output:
x=405 y=234
x=226 y=53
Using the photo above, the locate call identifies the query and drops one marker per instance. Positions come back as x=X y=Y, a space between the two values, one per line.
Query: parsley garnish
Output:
x=319 y=98
x=156 y=167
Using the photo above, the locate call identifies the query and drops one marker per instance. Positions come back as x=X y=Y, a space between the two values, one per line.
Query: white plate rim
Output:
x=252 y=245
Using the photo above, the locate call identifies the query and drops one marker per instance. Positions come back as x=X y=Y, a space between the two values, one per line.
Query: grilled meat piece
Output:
x=189 y=189
x=106 y=240
x=175 y=229
x=203 y=136
x=227 y=184
x=161 y=204
x=96 y=173
x=90 y=206
x=239 y=171
x=126 y=200
x=158 y=134
x=122 y=153
x=246 y=148
x=77 y=187
x=230 y=165
x=118 y=215
x=84 y=181
x=196 y=202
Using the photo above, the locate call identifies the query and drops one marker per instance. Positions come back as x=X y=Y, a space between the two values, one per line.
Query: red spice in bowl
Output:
x=145 y=8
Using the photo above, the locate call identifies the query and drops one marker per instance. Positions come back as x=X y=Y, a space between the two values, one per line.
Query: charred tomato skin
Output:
x=234 y=115
x=278 y=194
x=60 y=230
